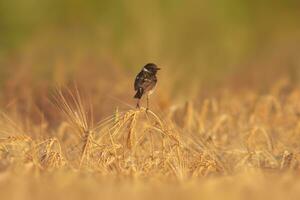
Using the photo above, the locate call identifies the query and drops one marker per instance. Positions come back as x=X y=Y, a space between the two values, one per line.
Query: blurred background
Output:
x=103 y=44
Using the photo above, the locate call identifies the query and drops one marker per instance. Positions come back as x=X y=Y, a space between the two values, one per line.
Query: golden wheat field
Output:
x=226 y=145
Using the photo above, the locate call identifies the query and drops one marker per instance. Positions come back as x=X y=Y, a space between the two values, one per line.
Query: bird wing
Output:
x=145 y=81
x=138 y=81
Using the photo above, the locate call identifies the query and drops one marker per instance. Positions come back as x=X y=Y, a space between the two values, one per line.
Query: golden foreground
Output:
x=234 y=145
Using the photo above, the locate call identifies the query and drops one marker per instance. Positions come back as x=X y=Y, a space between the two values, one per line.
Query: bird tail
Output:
x=139 y=93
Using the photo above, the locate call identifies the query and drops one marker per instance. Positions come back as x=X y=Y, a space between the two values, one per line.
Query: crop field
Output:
x=223 y=123
x=228 y=144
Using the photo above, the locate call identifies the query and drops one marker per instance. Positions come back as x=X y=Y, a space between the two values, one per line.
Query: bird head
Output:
x=151 y=68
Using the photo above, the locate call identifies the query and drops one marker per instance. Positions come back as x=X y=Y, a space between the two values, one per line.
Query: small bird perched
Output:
x=145 y=82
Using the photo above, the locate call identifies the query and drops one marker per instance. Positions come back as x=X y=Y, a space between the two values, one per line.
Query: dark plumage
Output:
x=145 y=82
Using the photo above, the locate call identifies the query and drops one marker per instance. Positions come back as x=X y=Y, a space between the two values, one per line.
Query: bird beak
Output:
x=158 y=68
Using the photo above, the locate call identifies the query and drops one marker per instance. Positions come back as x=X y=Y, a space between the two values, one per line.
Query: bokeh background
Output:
x=224 y=120
x=103 y=44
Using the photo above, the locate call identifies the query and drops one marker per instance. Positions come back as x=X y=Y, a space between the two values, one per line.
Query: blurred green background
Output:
x=203 y=40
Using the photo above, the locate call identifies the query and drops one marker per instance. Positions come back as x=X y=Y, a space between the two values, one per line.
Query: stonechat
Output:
x=145 y=82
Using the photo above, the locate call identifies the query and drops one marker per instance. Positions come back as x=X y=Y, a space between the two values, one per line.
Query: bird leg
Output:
x=138 y=104
x=147 y=103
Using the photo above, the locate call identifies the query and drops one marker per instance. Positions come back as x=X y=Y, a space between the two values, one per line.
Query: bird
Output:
x=145 y=83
